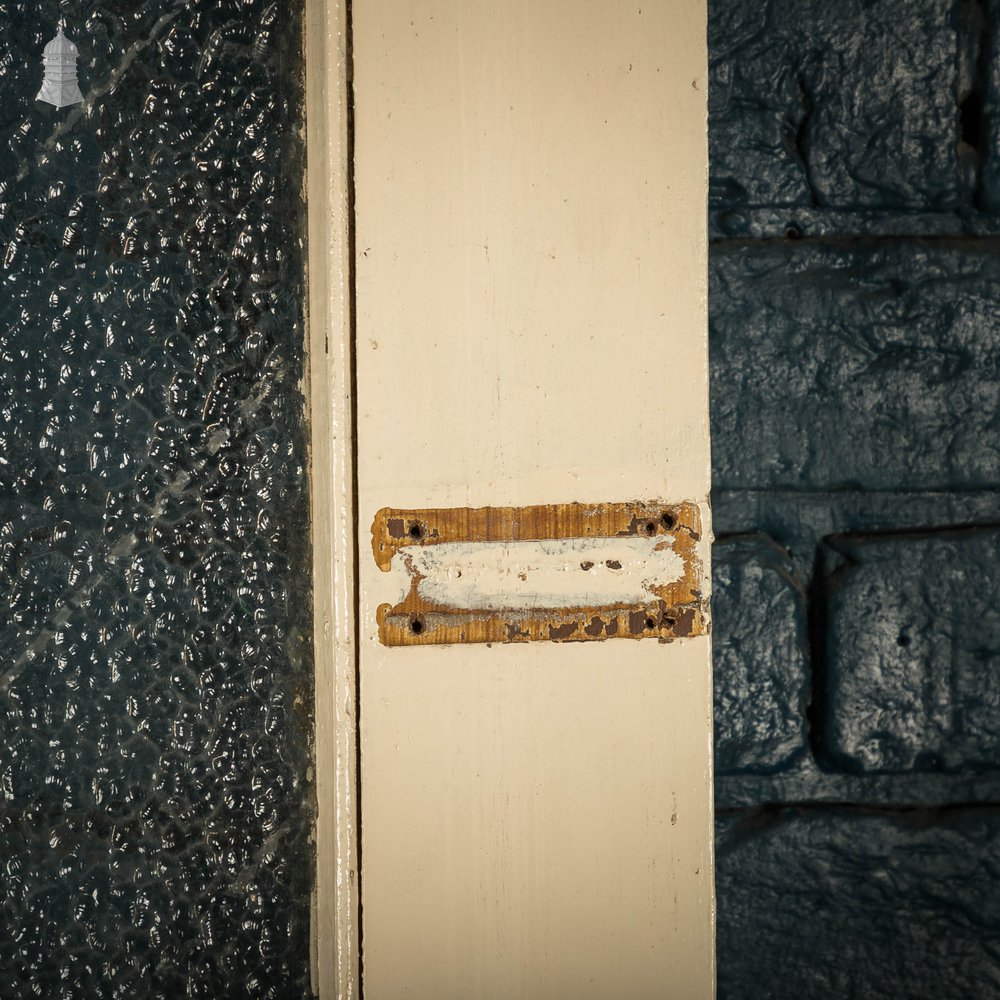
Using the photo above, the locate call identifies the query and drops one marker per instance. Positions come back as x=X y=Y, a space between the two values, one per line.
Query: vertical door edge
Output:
x=335 y=954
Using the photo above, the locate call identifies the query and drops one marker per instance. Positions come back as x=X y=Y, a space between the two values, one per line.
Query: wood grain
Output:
x=674 y=610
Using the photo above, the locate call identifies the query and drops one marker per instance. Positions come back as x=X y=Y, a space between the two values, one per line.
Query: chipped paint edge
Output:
x=676 y=610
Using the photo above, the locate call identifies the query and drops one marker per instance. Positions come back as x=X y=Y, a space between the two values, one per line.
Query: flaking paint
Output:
x=554 y=572
x=547 y=573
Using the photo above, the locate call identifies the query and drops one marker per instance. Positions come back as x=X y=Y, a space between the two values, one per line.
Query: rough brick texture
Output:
x=869 y=366
x=836 y=105
x=854 y=308
x=848 y=904
x=761 y=672
x=913 y=651
x=986 y=77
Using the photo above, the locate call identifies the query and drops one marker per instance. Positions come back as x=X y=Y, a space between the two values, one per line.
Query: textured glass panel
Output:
x=155 y=675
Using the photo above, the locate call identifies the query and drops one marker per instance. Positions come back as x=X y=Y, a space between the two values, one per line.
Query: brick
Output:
x=795 y=222
x=913 y=651
x=760 y=662
x=829 y=904
x=840 y=105
x=869 y=365
x=982 y=103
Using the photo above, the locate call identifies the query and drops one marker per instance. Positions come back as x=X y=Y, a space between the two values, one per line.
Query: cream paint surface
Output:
x=334 y=930
x=530 y=177
x=551 y=573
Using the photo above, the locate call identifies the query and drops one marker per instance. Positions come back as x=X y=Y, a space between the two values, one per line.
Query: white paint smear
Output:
x=551 y=573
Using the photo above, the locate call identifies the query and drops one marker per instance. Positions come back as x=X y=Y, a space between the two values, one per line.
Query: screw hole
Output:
x=670 y=622
x=903 y=639
x=416 y=532
x=416 y=626
x=651 y=528
x=793 y=233
x=650 y=623
x=668 y=520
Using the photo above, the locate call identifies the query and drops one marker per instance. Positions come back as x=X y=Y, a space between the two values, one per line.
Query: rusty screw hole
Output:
x=668 y=520
x=416 y=532
x=650 y=623
x=586 y=565
x=416 y=626
x=670 y=622
x=651 y=528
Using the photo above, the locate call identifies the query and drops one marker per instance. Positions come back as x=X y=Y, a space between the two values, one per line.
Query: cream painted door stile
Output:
x=532 y=479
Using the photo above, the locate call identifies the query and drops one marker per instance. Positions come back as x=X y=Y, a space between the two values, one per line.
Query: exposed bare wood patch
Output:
x=559 y=572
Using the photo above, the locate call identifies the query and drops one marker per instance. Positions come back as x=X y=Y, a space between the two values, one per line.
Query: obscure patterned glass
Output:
x=155 y=671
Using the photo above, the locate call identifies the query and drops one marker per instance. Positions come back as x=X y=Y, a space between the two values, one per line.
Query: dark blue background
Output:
x=855 y=364
x=155 y=675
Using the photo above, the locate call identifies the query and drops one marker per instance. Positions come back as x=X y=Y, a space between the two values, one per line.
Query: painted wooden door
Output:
x=536 y=805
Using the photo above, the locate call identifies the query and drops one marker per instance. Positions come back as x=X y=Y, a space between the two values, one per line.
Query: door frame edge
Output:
x=334 y=933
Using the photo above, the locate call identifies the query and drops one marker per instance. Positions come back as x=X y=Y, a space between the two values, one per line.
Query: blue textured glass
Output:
x=155 y=668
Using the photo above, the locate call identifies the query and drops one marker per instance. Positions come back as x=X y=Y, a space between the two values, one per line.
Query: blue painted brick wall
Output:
x=761 y=659
x=913 y=627
x=855 y=353
x=862 y=366
x=834 y=105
